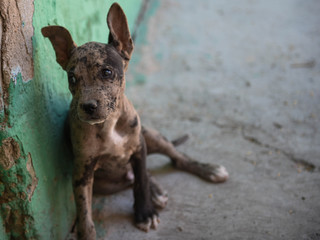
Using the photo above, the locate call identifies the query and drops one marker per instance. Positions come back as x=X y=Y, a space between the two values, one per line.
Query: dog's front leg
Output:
x=82 y=188
x=144 y=212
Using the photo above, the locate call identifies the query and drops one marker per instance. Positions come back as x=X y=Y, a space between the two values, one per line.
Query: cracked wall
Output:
x=17 y=184
x=36 y=199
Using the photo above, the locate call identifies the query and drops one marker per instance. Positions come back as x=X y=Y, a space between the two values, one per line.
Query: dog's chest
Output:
x=114 y=144
x=115 y=151
x=115 y=138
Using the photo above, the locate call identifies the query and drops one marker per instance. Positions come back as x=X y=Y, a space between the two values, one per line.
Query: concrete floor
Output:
x=242 y=78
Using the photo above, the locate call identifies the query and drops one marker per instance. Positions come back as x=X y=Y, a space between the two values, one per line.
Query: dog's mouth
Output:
x=93 y=121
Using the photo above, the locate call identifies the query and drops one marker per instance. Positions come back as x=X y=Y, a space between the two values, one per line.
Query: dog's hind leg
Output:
x=156 y=143
x=104 y=187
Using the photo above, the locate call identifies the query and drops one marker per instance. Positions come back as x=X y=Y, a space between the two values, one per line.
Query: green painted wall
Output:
x=36 y=195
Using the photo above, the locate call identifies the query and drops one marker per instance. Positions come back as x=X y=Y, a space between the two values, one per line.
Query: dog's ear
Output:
x=119 y=35
x=61 y=41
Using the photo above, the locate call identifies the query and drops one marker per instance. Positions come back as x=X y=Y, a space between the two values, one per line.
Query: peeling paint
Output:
x=16 y=39
x=16 y=176
x=14 y=74
x=32 y=186
x=16 y=47
x=9 y=153
x=16 y=222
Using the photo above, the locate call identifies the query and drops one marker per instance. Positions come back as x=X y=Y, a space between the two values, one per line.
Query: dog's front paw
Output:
x=147 y=219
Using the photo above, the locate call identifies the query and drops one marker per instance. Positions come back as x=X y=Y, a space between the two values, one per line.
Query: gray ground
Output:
x=243 y=79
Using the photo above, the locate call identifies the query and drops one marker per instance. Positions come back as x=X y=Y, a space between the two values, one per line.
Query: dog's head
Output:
x=95 y=70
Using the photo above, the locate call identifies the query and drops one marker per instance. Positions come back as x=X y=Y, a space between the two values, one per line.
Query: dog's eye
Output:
x=106 y=72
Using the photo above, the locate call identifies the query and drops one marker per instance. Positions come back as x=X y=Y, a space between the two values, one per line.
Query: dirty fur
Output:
x=109 y=144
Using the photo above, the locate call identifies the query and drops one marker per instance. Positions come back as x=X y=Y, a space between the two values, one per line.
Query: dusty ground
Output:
x=243 y=79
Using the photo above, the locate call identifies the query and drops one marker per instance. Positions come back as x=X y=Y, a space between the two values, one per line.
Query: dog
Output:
x=108 y=142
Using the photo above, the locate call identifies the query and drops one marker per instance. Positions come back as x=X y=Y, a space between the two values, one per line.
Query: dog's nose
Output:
x=89 y=107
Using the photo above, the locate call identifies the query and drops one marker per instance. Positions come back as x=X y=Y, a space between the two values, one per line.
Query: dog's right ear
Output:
x=61 y=41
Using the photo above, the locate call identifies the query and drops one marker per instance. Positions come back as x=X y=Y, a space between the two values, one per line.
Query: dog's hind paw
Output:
x=160 y=201
x=159 y=197
x=218 y=174
x=210 y=172
x=152 y=222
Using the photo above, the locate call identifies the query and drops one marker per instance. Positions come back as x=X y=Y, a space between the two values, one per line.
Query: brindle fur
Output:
x=108 y=142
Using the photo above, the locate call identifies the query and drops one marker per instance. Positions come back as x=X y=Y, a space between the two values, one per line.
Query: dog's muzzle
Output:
x=93 y=113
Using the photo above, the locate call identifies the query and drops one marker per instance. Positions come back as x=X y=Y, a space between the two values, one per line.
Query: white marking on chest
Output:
x=118 y=141
x=115 y=142
x=116 y=138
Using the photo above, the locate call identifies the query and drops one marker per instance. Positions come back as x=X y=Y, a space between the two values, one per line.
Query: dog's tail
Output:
x=180 y=140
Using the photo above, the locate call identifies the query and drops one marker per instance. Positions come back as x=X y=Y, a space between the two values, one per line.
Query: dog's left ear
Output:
x=119 y=35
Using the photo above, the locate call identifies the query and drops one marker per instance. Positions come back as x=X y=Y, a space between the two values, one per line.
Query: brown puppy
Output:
x=109 y=144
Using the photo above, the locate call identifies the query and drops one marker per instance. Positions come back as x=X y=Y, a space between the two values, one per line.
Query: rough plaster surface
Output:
x=9 y=152
x=242 y=78
x=17 y=184
x=16 y=43
x=15 y=62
